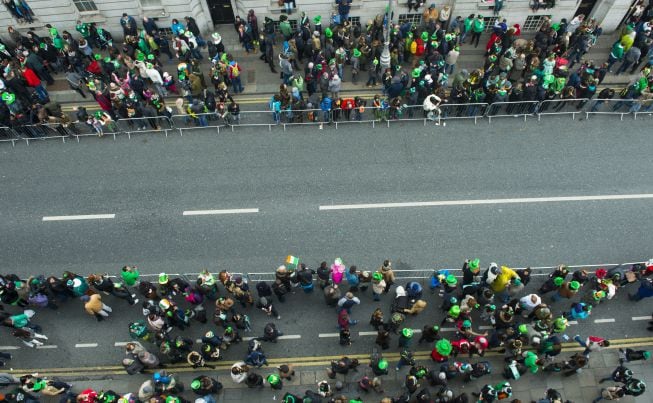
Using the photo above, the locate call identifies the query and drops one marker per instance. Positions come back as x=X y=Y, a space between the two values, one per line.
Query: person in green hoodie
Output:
x=478 y=26
x=129 y=275
x=616 y=54
x=467 y=27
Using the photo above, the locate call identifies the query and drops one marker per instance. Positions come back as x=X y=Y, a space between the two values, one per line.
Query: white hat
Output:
x=216 y=38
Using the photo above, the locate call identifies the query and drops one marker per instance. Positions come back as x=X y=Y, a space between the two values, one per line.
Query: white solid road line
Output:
x=368 y=333
x=2 y=348
x=487 y=201
x=47 y=347
x=79 y=217
x=634 y=318
x=328 y=335
x=85 y=345
x=609 y=320
x=218 y=212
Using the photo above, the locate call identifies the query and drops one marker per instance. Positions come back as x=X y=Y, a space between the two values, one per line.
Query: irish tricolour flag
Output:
x=292 y=262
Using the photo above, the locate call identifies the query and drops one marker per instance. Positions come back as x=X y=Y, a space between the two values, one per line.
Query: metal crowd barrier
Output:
x=288 y=117
x=463 y=111
x=571 y=106
x=619 y=107
x=512 y=109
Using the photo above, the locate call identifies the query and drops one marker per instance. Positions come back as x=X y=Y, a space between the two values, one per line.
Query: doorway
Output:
x=221 y=11
x=585 y=7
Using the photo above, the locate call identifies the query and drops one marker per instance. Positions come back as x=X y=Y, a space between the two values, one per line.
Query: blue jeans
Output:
x=326 y=116
x=237 y=85
x=41 y=92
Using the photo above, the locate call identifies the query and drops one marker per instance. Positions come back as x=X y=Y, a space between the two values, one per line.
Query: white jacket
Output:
x=154 y=75
x=430 y=106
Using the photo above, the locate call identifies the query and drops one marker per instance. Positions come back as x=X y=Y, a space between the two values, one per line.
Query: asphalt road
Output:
x=149 y=181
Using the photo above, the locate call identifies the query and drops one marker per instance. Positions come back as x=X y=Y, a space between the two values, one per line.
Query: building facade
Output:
x=63 y=14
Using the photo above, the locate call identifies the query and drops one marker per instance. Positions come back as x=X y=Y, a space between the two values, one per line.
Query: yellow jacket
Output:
x=503 y=279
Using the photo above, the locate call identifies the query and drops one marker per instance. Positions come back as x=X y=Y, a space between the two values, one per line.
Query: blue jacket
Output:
x=325 y=105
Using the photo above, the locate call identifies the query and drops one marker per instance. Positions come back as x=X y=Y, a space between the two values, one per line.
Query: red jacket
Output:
x=30 y=76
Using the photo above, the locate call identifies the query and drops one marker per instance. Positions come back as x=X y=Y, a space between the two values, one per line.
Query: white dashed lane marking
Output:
x=85 y=345
x=47 y=347
x=609 y=320
x=642 y=318
x=79 y=217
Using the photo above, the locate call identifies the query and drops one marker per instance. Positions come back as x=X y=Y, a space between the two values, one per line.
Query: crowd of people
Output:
x=422 y=73
x=526 y=328
x=130 y=80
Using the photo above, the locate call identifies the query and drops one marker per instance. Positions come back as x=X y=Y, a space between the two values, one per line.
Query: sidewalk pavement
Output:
x=260 y=83
x=579 y=388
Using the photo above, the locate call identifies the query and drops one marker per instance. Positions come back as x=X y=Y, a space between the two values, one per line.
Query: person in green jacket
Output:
x=467 y=27
x=478 y=26
x=130 y=275
x=285 y=28
x=616 y=54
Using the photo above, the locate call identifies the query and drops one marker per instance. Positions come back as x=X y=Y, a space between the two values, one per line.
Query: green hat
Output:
x=480 y=17
x=357 y=53
x=98 y=114
x=98 y=57
x=574 y=285
x=434 y=36
x=451 y=280
x=149 y=65
x=229 y=329
x=558 y=281
x=182 y=76
x=492 y=58
x=425 y=36
x=383 y=364
x=54 y=32
x=140 y=57
x=172 y=399
x=42 y=45
x=319 y=66
x=317 y=19
x=328 y=33
x=196 y=384
x=473 y=265
x=436 y=328
x=107 y=59
x=9 y=98
x=443 y=346
x=407 y=332
x=2 y=47
x=416 y=73
x=273 y=379
x=375 y=61
x=560 y=323
x=599 y=294
x=448 y=37
x=377 y=276
x=163 y=278
x=647 y=355
x=454 y=311
x=523 y=329
x=150 y=57
x=412 y=90
x=516 y=281
x=467 y=323
x=555 y=26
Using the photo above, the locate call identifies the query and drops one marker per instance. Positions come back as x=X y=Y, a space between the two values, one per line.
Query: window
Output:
x=85 y=5
x=489 y=23
x=151 y=3
x=355 y=20
x=412 y=18
x=534 y=22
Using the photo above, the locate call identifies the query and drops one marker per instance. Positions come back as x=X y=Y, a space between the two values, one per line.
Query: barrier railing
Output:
x=644 y=107
x=511 y=109
x=336 y=117
x=7 y=134
x=609 y=107
x=572 y=106
x=463 y=111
